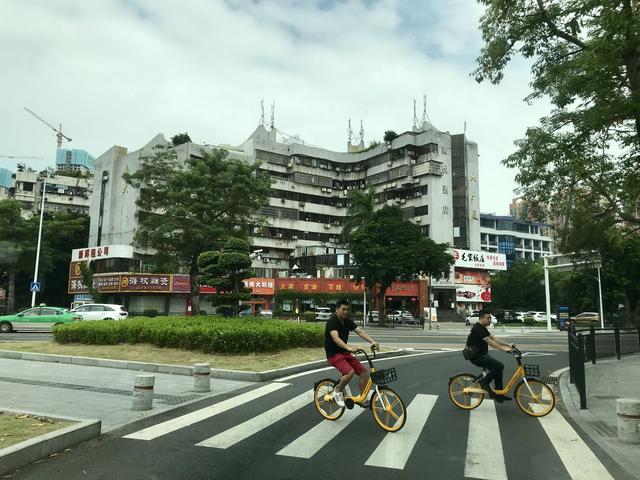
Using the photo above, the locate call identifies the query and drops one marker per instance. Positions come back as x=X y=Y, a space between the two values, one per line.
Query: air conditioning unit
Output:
x=279 y=235
x=333 y=240
x=290 y=164
x=389 y=163
x=417 y=219
x=336 y=223
x=403 y=200
x=328 y=190
x=356 y=169
x=294 y=237
x=413 y=161
x=416 y=180
x=394 y=185
x=327 y=225
x=337 y=169
x=298 y=161
x=301 y=204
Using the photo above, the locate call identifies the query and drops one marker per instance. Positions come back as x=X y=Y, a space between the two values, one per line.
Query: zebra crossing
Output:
x=484 y=456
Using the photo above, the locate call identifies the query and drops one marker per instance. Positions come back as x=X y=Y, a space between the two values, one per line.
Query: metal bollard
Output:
x=143 y=392
x=202 y=377
x=628 y=413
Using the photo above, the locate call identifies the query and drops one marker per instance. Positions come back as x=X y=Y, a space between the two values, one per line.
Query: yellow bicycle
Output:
x=533 y=396
x=386 y=405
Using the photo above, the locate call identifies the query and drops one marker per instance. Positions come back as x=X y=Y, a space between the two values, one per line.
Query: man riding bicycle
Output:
x=478 y=341
x=336 y=335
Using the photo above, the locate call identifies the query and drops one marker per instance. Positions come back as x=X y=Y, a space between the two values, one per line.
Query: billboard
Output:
x=481 y=260
x=473 y=293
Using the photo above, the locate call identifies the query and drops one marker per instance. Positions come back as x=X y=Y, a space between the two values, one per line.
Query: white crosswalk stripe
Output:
x=250 y=427
x=394 y=450
x=307 y=445
x=485 y=458
x=579 y=461
x=190 y=418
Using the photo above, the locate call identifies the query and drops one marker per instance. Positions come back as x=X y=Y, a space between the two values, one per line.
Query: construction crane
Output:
x=58 y=131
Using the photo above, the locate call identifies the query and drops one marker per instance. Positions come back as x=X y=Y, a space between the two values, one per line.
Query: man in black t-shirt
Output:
x=336 y=335
x=481 y=338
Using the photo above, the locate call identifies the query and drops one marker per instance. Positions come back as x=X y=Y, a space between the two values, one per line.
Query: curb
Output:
x=23 y=453
x=178 y=369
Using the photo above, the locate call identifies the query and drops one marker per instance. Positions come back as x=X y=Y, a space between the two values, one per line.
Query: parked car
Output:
x=101 y=311
x=265 y=314
x=401 y=316
x=541 y=316
x=41 y=318
x=506 y=316
x=586 y=317
x=323 y=314
x=375 y=316
x=474 y=317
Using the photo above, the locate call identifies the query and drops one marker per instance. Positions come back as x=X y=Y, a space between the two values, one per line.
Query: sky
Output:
x=117 y=72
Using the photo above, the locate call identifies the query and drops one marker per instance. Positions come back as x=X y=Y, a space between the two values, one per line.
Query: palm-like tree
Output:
x=361 y=206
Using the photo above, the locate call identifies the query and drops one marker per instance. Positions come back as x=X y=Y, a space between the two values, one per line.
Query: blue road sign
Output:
x=35 y=286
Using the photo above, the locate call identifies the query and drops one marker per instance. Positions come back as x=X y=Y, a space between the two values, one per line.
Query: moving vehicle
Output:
x=265 y=314
x=323 y=314
x=506 y=316
x=586 y=317
x=401 y=316
x=474 y=317
x=540 y=316
x=101 y=311
x=37 y=319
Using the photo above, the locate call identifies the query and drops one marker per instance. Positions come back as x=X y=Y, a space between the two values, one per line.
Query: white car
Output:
x=473 y=319
x=323 y=314
x=101 y=311
x=540 y=316
x=401 y=316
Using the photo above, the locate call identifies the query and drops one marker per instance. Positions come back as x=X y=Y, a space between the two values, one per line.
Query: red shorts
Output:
x=345 y=362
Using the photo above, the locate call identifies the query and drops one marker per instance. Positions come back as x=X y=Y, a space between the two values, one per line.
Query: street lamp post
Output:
x=35 y=272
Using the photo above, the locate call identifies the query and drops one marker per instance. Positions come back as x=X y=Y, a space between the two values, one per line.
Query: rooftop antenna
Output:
x=349 y=133
x=361 y=134
x=262 y=112
x=272 y=122
x=425 y=116
x=415 y=117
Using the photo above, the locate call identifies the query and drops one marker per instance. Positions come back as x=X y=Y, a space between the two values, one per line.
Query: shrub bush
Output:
x=225 y=310
x=529 y=321
x=212 y=334
x=150 y=312
x=309 y=316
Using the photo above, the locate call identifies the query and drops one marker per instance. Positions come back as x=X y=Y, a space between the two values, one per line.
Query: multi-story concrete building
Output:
x=517 y=239
x=5 y=182
x=435 y=185
x=63 y=193
x=74 y=160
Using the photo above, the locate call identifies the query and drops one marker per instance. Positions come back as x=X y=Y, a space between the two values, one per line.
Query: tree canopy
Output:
x=194 y=206
x=581 y=163
x=387 y=247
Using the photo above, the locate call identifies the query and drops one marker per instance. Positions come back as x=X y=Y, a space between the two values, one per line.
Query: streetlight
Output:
x=35 y=273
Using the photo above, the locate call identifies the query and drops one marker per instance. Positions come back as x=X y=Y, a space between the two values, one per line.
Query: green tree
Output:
x=180 y=138
x=225 y=270
x=194 y=206
x=581 y=163
x=388 y=247
x=360 y=209
x=390 y=135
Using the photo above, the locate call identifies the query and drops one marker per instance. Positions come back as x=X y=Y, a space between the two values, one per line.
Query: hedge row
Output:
x=209 y=334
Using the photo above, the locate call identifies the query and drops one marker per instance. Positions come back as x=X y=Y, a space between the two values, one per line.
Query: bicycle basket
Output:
x=382 y=377
x=531 y=370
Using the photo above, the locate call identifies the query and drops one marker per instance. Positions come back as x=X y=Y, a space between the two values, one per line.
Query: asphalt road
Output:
x=279 y=435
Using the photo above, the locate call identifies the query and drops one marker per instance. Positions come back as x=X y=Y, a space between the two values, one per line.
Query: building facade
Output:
x=517 y=239
x=74 y=160
x=63 y=193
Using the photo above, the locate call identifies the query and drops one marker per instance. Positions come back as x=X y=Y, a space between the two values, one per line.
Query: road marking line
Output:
x=254 y=425
x=307 y=445
x=485 y=459
x=177 y=423
x=578 y=459
x=395 y=448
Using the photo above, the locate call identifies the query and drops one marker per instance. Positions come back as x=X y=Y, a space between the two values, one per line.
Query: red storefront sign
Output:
x=260 y=286
x=472 y=277
x=403 y=289
x=145 y=283
x=319 y=285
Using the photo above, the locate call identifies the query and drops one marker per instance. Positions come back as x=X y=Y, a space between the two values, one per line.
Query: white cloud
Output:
x=118 y=72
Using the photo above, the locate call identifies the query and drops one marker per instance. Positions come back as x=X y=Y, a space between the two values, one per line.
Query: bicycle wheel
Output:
x=537 y=399
x=388 y=409
x=466 y=401
x=325 y=406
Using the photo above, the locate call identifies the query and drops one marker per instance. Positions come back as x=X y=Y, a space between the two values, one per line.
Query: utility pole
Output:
x=35 y=273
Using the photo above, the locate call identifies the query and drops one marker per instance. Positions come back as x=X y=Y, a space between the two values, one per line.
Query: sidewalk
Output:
x=607 y=380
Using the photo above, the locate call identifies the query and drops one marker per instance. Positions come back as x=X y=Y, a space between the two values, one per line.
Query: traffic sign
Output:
x=35 y=287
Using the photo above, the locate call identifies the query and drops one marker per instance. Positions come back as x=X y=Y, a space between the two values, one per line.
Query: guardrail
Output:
x=589 y=345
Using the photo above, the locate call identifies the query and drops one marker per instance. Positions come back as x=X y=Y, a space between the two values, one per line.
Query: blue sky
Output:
x=116 y=72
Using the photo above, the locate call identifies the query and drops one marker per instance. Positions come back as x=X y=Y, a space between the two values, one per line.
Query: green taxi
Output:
x=36 y=319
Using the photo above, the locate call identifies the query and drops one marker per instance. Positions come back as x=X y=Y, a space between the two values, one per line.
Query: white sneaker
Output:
x=338 y=397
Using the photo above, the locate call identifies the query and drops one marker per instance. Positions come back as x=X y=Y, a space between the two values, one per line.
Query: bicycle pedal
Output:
x=348 y=403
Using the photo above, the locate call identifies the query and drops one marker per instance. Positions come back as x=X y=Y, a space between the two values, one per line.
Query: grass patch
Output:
x=17 y=427
x=173 y=356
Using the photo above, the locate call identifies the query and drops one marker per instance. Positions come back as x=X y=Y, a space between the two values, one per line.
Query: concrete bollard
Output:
x=628 y=413
x=143 y=392
x=202 y=377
